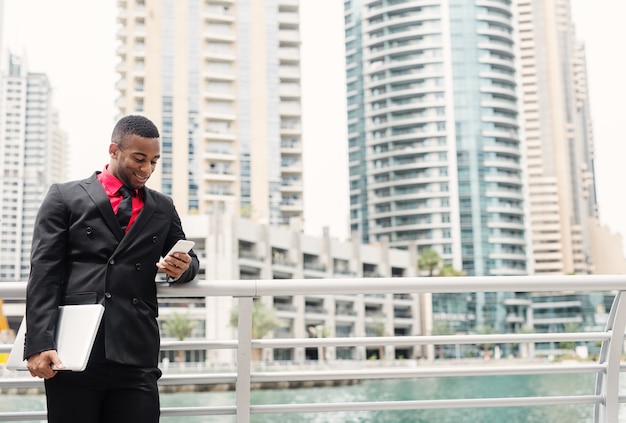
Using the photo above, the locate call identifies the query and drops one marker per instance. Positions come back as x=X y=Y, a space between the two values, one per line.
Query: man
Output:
x=83 y=254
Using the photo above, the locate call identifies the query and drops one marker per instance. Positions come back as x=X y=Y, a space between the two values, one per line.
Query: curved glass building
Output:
x=434 y=146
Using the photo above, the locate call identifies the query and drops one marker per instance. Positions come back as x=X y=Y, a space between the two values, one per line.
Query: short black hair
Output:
x=133 y=125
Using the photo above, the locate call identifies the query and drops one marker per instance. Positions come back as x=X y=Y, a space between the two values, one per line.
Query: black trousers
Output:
x=105 y=392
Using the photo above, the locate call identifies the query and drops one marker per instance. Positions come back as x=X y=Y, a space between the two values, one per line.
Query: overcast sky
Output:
x=73 y=41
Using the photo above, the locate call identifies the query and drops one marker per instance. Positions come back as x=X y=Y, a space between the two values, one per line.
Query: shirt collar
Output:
x=110 y=183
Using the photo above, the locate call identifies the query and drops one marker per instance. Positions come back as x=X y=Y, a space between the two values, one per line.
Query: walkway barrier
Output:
x=607 y=368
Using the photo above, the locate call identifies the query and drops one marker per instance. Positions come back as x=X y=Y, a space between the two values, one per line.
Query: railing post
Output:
x=607 y=384
x=244 y=348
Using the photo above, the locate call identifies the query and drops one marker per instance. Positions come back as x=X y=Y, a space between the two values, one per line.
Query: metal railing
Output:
x=607 y=368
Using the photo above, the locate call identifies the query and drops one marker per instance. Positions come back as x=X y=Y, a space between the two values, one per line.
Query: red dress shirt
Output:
x=112 y=186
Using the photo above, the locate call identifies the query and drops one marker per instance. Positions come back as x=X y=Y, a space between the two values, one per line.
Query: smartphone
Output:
x=181 y=246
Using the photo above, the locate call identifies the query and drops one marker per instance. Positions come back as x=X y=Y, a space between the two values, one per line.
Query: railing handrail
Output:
x=393 y=285
x=436 y=339
x=206 y=344
x=606 y=400
x=337 y=286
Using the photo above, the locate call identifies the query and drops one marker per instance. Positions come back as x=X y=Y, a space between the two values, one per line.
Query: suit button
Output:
x=138 y=266
x=135 y=301
x=154 y=239
x=107 y=295
x=112 y=261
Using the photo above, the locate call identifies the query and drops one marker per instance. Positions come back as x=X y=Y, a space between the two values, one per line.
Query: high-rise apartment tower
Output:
x=559 y=138
x=32 y=156
x=434 y=146
x=221 y=78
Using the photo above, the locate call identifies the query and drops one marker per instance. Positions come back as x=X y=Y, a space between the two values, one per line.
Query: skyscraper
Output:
x=435 y=155
x=221 y=78
x=434 y=148
x=32 y=156
x=559 y=138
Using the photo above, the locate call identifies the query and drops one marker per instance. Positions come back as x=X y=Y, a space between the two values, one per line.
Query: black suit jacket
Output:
x=80 y=255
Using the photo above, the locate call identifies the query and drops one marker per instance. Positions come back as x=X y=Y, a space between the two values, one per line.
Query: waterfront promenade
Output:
x=599 y=381
x=190 y=369
x=431 y=389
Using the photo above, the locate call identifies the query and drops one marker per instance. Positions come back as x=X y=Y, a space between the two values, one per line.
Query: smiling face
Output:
x=134 y=159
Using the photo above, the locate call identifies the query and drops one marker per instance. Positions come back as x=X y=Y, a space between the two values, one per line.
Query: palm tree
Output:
x=319 y=331
x=429 y=259
x=526 y=350
x=264 y=321
x=448 y=270
x=377 y=327
x=180 y=327
x=485 y=330
x=569 y=328
x=441 y=327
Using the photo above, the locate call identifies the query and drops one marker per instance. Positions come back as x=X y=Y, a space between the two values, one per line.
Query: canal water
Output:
x=389 y=390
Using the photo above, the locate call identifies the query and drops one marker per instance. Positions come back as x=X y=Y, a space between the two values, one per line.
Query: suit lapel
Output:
x=94 y=189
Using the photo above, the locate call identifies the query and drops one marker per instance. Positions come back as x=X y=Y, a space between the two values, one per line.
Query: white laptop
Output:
x=76 y=332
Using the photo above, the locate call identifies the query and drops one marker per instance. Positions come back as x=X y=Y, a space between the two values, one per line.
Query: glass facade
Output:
x=167 y=82
x=434 y=152
x=433 y=134
x=356 y=121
